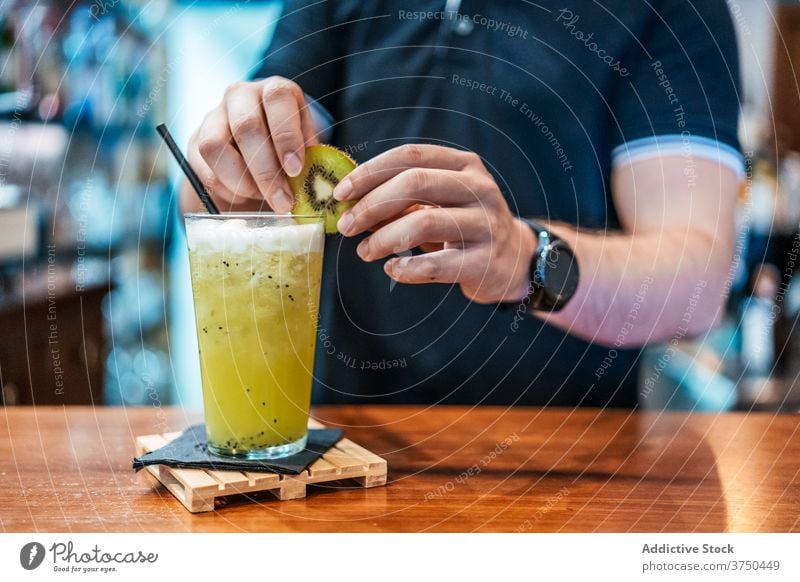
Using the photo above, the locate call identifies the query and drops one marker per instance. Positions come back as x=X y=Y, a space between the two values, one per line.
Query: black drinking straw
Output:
x=187 y=169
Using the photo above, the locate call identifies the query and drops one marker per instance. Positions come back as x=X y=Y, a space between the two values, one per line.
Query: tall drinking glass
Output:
x=256 y=284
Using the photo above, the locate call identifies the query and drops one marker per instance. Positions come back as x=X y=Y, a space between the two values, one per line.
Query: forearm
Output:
x=642 y=288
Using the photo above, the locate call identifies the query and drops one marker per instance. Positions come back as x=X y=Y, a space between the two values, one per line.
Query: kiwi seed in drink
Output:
x=324 y=168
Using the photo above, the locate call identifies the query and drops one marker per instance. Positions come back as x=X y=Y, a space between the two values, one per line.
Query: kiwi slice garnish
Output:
x=325 y=166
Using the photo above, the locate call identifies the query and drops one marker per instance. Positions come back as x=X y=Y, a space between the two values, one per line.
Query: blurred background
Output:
x=95 y=304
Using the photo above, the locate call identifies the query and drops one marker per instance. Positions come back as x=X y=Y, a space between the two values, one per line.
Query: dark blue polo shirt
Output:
x=551 y=95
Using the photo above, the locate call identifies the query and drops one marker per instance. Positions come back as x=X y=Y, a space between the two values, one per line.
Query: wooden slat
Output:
x=197 y=480
x=262 y=479
x=370 y=459
x=150 y=442
x=346 y=462
x=321 y=467
x=314 y=423
x=230 y=478
x=171 y=436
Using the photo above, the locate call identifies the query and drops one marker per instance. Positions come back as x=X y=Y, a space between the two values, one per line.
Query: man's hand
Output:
x=425 y=195
x=249 y=143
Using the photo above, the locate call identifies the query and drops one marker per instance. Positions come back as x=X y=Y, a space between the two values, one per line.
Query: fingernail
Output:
x=292 y=165
x=343 y=190
x=363 y=249
x=282 y=202
x=345 y=223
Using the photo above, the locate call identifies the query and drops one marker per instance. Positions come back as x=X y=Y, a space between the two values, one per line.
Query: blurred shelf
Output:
x=53 y=340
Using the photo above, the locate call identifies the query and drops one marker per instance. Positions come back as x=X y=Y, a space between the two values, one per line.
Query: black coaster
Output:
x=190 y=451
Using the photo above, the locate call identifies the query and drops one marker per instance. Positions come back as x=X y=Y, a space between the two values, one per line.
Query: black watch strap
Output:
x=554 y=259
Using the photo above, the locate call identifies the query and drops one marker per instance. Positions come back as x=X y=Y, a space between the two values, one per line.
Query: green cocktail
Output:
x=256 y=284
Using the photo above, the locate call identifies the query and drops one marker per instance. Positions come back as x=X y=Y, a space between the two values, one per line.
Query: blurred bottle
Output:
x=758 y=315
x=770 y=338
x=786 y=332
x=7 y=78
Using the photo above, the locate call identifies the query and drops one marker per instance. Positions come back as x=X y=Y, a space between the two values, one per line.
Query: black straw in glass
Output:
x=187 y=169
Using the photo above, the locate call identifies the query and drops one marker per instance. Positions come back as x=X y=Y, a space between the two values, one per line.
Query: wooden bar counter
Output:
x=68 y=469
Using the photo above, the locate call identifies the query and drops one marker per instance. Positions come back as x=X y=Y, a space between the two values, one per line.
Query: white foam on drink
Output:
x=235 y=236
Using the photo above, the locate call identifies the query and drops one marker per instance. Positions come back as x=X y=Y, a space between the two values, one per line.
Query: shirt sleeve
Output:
x=683 y=80
x=679 y=145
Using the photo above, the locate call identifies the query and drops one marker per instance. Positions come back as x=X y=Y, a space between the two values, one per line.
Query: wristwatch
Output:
x=554 y=272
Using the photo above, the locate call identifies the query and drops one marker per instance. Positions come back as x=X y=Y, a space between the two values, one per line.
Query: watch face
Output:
x=562 y=272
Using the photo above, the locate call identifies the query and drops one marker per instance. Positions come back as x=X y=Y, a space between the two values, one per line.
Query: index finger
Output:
x=382 y=168
x=248 y=125
x=289 y=123
x=428 y=187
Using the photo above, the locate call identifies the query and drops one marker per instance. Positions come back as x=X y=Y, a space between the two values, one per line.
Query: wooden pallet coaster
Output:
x=198 y=489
